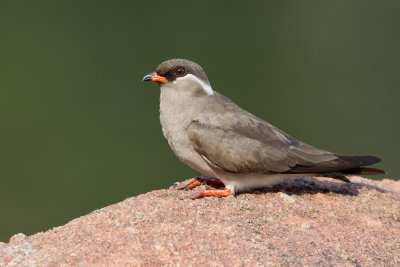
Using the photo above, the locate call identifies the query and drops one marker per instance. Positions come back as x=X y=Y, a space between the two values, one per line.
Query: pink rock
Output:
x=302 y=222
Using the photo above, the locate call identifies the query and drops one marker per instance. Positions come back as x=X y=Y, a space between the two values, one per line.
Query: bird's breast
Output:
x=176 y=114
x=173 y=119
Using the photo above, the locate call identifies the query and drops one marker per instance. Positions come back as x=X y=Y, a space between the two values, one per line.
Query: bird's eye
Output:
x=180 y=71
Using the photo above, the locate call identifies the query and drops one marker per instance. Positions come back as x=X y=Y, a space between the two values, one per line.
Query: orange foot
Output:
x=193 y=182
x=215 y=192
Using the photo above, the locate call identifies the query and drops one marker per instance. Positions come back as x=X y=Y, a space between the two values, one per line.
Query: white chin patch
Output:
x=190 y=79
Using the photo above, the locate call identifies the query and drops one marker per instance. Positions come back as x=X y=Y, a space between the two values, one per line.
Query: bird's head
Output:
x=181 y=74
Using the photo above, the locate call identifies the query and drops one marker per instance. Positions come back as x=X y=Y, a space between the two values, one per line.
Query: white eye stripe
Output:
x=207 y=88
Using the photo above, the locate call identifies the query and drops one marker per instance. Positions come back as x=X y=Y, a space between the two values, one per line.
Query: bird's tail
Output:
x=353 y=165
x=359 y=162
x=365 y=170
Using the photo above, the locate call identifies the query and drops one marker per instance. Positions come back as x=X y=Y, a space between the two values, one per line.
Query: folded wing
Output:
x=250 y=151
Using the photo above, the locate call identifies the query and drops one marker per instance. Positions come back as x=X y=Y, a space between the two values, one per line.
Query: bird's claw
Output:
x=194 y=182
x=174 y=186
x=188 y=184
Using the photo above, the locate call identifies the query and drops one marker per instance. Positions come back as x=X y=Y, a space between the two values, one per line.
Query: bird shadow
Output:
x=311 y=185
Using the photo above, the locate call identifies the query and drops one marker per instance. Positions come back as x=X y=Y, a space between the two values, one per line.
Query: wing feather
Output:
x=238 y=153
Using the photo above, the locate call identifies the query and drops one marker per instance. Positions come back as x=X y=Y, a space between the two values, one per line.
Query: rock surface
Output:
x=304 y=221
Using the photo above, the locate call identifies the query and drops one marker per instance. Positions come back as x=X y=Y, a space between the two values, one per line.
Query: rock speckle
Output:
x=287 y=198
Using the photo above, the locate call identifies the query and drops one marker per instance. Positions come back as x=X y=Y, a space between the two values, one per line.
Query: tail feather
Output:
x=360 y=161
x=342 y=164
x=365 y=170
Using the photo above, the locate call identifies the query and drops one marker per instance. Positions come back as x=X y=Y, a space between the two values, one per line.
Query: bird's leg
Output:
x=193 y=182
x=211 y=181
x=216 y=192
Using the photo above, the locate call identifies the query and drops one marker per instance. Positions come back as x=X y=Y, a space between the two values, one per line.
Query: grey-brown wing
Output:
x=234 y=151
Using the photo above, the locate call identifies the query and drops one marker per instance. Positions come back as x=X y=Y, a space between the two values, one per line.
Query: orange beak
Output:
x=153 y=76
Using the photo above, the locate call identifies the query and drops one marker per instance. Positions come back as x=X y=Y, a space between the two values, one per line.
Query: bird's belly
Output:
x=239 y=182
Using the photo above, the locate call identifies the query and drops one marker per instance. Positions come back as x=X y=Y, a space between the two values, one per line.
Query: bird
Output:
x=230 y=146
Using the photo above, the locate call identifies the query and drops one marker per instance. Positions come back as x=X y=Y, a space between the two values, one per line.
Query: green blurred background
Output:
x=80 y=131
